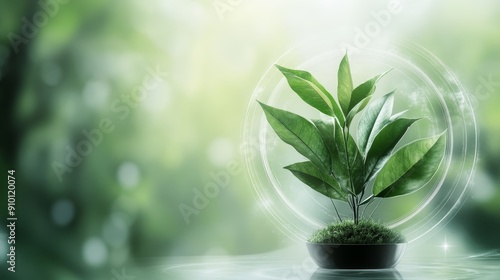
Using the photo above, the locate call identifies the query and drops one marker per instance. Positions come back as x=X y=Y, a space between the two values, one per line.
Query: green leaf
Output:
x=334 y=144
x=344 y=84
x=327 y=132
x=312 y=92
x=300 y=134
x=363 y=91
x=411 y=167
x=373 y=119
x=356 y=165
x=347 y=164
x=358 y=108
x=384 y=143
x=334 y=139
x=317 y=180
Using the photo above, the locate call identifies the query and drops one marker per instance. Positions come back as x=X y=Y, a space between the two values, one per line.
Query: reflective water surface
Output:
x=276 y=266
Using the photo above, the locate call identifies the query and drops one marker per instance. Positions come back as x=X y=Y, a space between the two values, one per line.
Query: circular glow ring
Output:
x=445 y=99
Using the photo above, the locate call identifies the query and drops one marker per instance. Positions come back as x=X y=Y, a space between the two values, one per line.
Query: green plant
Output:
x=364 y=232
x=340 y=167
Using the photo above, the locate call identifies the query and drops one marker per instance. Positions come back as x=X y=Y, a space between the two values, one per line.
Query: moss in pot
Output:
x=354 y=171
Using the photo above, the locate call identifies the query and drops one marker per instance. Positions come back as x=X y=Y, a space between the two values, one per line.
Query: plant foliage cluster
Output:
x=341 y=167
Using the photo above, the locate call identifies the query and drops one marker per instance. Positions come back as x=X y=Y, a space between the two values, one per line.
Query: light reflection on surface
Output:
x=289 y=266
x=322 y=274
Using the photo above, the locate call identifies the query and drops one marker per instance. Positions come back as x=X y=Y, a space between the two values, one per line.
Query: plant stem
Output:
x=349 y=201
x=360 y=197
x=354 y=206
x=337 y=211
x=354 y=210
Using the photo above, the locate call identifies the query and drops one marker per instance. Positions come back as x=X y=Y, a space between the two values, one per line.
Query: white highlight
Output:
x=128 y=175
x=95 y=252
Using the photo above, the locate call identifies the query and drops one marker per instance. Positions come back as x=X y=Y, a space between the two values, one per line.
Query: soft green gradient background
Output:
x=125 y=195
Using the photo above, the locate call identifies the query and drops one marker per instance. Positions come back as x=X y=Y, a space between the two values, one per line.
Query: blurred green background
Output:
x=70 y=66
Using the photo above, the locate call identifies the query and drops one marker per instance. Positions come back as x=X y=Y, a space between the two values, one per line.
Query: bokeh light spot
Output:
x=486 y=191
x=128 y=175
x=96 y=93
x=95 y=252
x=63 y=212
x=220 y=151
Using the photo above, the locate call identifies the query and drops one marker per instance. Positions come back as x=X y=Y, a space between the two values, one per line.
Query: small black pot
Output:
x=354 y=256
